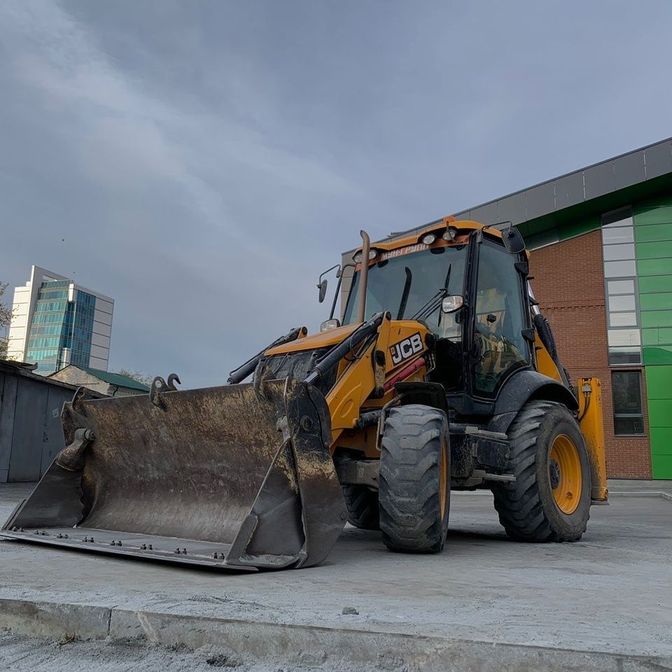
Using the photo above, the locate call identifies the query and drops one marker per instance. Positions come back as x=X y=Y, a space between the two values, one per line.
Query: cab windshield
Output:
x=404 y=284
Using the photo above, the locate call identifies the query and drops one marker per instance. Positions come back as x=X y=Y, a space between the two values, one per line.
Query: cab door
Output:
x=500 y=319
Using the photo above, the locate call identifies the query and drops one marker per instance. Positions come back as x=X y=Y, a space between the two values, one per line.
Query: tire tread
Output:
x=519 y=505
x=362 y=506
x=409 y=499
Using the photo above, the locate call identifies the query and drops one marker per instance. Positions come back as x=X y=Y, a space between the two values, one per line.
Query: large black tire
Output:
x=362 y=505
x=414 y=480
x=532 y=508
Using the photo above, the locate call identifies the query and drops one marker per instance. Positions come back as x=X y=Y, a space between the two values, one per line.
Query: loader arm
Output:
x=365 y=383
x=365 y=361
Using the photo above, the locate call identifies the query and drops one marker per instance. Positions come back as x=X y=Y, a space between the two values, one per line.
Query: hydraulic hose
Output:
x=244 y=370
x=334 y=356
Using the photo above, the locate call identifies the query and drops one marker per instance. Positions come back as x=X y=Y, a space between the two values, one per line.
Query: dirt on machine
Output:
x=440 y=374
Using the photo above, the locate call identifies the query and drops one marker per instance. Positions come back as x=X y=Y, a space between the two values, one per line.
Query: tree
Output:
x=5 y=319
x=138 y=376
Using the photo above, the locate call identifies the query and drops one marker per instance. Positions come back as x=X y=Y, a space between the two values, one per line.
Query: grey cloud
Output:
x=205 y=160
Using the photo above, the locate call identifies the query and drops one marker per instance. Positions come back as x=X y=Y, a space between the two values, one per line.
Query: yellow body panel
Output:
x=362 y=385
x=358 y=385
x=357 y=390
x=322 y=340
x=545 y=363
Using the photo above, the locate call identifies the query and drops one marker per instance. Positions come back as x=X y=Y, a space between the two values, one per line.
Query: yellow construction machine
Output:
x=441 y=374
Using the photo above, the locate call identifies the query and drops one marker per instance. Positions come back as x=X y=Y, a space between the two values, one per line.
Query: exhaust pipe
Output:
x=364 y=277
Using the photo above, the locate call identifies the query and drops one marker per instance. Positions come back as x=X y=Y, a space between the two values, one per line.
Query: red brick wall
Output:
x=569 y=284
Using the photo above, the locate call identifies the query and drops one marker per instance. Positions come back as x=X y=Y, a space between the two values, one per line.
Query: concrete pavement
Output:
x=590 y=604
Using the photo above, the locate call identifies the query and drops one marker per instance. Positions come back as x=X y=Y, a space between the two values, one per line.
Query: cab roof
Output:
x=411 y=241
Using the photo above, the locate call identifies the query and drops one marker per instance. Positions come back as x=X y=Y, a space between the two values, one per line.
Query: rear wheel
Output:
x=550 y=499
x=414 y=480
x=362 y=505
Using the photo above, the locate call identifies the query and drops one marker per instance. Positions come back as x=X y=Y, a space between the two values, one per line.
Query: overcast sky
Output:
x=202 y=162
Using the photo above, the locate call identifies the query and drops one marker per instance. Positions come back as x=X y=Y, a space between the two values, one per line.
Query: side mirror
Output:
x=322 y=282
x=452 y=303
x=322 y=287
x=513 y=240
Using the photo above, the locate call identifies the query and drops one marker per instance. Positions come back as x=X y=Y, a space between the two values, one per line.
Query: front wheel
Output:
x=550 y=499
x=414 y=479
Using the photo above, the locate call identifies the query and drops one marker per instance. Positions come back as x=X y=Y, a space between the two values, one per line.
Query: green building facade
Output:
x=653 y=250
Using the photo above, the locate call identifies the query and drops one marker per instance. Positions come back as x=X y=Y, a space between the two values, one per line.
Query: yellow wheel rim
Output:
x=443 y=480
x=564 y=472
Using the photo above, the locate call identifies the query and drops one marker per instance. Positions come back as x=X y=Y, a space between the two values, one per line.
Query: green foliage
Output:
x=137 y=375
x=5 y=319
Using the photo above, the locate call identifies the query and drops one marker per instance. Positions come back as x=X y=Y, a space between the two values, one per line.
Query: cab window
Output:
x=499 y=319
x=422 y=274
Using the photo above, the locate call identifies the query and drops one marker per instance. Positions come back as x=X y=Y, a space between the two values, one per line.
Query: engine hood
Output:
x=315 y=341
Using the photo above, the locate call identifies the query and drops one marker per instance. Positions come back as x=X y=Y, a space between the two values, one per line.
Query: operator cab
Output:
x=470 y=292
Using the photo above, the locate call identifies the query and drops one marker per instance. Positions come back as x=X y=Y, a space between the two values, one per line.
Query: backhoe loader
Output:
x=441 y=373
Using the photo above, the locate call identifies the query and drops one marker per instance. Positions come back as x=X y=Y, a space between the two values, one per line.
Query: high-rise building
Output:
x=56 y=322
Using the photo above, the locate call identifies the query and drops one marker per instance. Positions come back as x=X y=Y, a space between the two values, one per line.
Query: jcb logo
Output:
x=406 y=348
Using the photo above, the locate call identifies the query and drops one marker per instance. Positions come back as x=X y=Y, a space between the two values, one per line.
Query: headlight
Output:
x=329 y=324
x=449 y=233
x=452 y=303
x=358 y=255
x=428 y=238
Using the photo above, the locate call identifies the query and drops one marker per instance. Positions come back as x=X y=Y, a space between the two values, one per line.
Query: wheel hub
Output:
x=564 y=474
x=554 y=474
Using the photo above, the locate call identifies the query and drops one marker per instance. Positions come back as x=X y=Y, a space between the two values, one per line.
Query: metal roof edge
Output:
x=564 y=175
x=495 y=201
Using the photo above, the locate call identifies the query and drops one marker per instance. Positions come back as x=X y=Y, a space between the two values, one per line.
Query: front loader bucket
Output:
x=226 y=477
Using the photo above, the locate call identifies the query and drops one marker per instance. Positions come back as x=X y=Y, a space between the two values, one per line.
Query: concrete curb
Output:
x=612 y=493
x=642 y=493
x=262 y=642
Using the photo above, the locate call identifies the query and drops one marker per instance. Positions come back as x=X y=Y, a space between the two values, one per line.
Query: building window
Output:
x=626 y=390
x=618 y=248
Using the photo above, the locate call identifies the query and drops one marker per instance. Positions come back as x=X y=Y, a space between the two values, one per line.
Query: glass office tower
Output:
x=57 y=323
